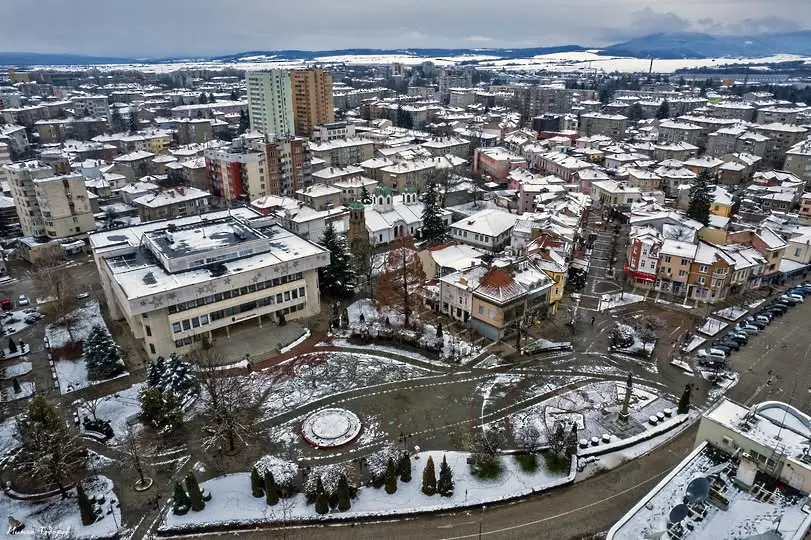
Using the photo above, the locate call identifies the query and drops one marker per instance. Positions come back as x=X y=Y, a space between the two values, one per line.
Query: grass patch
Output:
x=527 y=462
x=556 y=463
x=486 y=467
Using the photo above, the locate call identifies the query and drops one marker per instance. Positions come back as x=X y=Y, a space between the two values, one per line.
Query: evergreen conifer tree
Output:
x=433 y=228
x=429 y=477
x=234 y=95
x=321 y=499
x=684 y=400
x=85 y=508
x=133 y=121
x=244 y=121
x=102 y=355
x=116 y=120
x=445 y=484
x=342 y=492
x=180 y=500
x=195 y=493
x=404 y=467
x=439 y=330
x=365 y=198
x=271 y=491
x=12 y=347
x=257 y=486
x=16 y=386
x=635 y=113
x=202 y=99
x=338 y=278
x=701 y=195
x=663 y=111
x=391 y=478
x=211 y=98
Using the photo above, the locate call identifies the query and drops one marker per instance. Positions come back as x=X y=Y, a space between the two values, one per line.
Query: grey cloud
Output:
x=196 y=27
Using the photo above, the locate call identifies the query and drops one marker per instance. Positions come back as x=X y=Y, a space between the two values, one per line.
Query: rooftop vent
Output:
x=149 y=279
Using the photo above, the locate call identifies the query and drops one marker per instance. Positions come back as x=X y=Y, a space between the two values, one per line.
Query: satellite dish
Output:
x=677 y=513
x=697 y=490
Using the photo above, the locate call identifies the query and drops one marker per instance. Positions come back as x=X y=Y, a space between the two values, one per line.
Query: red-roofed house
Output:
x=498 y=302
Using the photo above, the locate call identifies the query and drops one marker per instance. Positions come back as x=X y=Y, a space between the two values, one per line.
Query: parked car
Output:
x=23 y=300
x=82 y=295
x=740 y=337
x=799 y=292
x=772 y=311
x=31 y=319
x=751 y=321
x=712 y=361
x=721 y=347
x=727 y=342
x=791 y=298
x=749 y=330
x=777 y=306
x=711 y=351
x=5 y=303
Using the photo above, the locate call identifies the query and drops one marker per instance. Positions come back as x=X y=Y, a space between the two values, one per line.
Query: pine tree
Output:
x=635 y=113
x=684 y=400
x=162 y=411
x=85 y=508
x=404 y=467
x=244 y=122
x=429 y=477
x=439 y=330
x=102 y=355
x=202 y=99
x=433 y=228
x=321 y=499
x=445 y=484
x=180 y=500
x=663 y=111
x=195 y=494
x=234 y=95
x=701 y=195
x=571 y=441
x=133 y=121
x=338 y=279
x=342 y=492
x=116 y=121
x=271 y=491
x=211 y=98
x=16 y=386
x=391 y=478
x=365 y=198
x=257 y=486
x=12 y=347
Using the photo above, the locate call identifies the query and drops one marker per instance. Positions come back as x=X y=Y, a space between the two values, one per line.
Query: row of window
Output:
x=202 y=320
x=233 y=293
x=199 y=337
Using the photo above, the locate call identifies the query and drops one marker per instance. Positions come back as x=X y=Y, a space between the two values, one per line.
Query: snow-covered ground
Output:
x=694 y=343
x=8 y=434
x=301 y=339
x=346 y=344
x=121 y=409
x=681 y=364
x=732 y=313
x=27 y=390
x=86 y=318
x=19 y=323
x=232 y=502
x=72 y=374
x=611 y=301
x=15 y=370
x=62 y=516
x=712 y=326
x=316 y=375
x=453 y=346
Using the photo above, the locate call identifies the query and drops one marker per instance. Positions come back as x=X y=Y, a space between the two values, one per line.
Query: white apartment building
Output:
x=270 y=102
x=183 y=284
x=64 y=205
x=96 y=106
x=21 y=178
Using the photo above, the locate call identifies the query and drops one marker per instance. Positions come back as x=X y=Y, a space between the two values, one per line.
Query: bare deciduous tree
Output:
x=229 y=400
x=135 y=448
x=401 y=277
x=91 y=399
x=57 y=284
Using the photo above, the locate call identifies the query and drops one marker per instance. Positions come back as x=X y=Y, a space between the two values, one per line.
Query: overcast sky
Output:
x=189 y=27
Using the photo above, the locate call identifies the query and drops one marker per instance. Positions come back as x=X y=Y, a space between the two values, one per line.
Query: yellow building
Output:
x=312 y=99
x=722 y=203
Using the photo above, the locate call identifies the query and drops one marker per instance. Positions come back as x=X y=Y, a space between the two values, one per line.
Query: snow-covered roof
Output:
x=679 y=249
x=456 y=256
x=490 y=222
x=171 y=196
x=499 y=287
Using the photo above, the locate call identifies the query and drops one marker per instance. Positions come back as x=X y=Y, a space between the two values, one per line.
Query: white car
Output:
x=23 y=300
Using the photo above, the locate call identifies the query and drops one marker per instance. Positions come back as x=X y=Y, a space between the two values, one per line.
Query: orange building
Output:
x=312 y=100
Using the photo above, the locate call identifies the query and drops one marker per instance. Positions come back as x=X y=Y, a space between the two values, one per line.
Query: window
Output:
x=702 y=268
x=203 y=319
x=148 y=331
x=176 y=327
x=151 y=348
x=700 y=281
x=186 y=325
x=683 y=262
x=682 y=273
x=667 y=258
x=642 y=264
x=279 y=298
x=301 y=291
x=481 y=310
x=195 y=322
x=491 y=314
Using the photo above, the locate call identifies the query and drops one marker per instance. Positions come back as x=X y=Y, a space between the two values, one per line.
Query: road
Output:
x=594 y=504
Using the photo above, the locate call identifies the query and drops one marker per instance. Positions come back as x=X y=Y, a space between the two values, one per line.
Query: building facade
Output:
x=270 y=102
x=312 y=100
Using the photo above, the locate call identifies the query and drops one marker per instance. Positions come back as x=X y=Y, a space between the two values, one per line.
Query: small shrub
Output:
x=486 y=467
x=557 y=463
x=527 y=462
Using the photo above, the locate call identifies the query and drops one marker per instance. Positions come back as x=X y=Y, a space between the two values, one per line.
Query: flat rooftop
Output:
x=201 y=238
x=747 y=515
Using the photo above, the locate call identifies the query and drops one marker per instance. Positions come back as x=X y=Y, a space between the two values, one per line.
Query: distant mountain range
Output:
x=661 y=45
